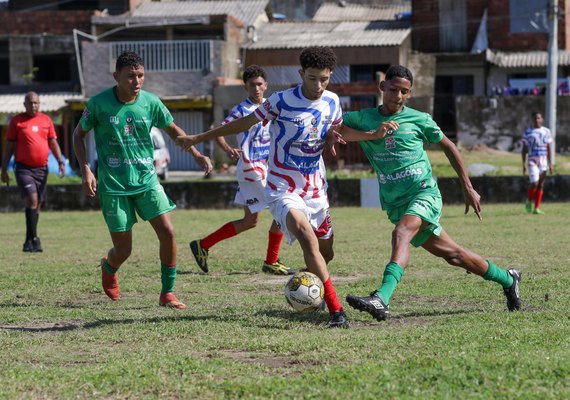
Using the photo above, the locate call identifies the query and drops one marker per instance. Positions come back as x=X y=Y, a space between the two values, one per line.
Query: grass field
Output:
x=449 y=337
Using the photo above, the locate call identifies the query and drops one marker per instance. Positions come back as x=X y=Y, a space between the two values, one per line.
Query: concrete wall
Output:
x=342 y=193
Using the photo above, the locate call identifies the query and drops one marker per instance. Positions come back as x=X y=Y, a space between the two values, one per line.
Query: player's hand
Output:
x=186 y=142
x=89 y=183
x=61 y=170
x=472 y=199
x=233 y=153
x=386 y=128
x=524 y=170
x=205 y=162
x=334 y=137
x=5 y=178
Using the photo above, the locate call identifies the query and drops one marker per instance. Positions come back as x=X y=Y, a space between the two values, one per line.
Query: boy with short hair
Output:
x=296 y=189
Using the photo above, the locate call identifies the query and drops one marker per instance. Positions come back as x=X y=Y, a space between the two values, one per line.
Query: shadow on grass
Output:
x=315 y=318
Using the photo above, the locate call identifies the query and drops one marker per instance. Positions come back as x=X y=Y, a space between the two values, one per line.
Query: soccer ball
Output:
x=304 y=291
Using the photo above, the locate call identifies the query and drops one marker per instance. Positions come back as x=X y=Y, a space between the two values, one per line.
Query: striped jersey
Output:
x=254 y=144
x=537 y=141
x=298 y=131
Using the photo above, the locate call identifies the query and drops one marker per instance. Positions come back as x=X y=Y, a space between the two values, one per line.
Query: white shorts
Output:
x=316 y=210
x=536 y=167
x=251 y=195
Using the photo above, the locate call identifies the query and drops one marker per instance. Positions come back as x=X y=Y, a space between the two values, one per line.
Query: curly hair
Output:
x=401 y=72
x=128 y=59
x=318 y=57
x=253 y=71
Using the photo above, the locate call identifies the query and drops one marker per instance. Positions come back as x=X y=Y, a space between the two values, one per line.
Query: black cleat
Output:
x=338 y=320
x=200 y=254
x=372 y=304
x=37 y=245
x=28 y=246
x=512 y=293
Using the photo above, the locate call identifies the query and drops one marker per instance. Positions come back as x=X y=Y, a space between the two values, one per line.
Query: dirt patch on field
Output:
x=286 y=364
x=40 y=326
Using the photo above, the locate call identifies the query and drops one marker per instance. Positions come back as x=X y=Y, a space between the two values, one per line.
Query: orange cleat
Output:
x=110 y=282
x=169 y=300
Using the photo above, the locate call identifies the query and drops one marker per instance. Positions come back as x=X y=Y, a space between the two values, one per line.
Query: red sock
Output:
x=538 y=198
x=273 y=247
x=225 y=232
x=331 y=298
x=530 y=193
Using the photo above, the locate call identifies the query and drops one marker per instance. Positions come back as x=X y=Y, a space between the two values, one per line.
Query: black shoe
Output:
x=37 y=245
x=200 y=254
x=372 y=304
x=338 y=320
x=28 y=246
x=512 y=293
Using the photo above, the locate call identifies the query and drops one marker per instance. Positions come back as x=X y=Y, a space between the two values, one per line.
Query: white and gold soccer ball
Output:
x=304 y=291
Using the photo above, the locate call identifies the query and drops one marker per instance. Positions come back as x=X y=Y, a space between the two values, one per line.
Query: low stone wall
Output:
x=342 y=193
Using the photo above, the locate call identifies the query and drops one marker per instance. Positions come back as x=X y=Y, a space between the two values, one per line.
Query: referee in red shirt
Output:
x=30 y=137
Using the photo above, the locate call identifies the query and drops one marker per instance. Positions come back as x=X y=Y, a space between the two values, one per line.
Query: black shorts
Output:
x=31 y=180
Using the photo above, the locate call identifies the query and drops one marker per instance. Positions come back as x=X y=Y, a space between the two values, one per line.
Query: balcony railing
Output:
x=179 y=55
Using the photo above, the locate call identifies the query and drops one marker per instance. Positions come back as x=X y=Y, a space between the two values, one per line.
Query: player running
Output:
x=127 y=183
x=296 y=190
x=409 y=193
x=252 y=156
x=536 y=153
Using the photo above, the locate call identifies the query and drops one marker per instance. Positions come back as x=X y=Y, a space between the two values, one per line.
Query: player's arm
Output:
x=549 y=157
x=472 y=198
x=176 y=133
x=238 y=125
x=54 y=147
x=88 y=181
x=353 y=135
x=10 y=146
x=524 y=154
x=230 y=151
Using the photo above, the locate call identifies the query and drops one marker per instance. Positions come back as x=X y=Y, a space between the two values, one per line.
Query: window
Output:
x=528 y=16
x=452 y=25
x=53 y=68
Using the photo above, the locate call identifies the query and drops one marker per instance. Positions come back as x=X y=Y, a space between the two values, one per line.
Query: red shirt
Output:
x=31 y=135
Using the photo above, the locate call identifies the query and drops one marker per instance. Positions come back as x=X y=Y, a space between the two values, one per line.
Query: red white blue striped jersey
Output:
x=254 y=144
x=537 y=140
x=298 y=131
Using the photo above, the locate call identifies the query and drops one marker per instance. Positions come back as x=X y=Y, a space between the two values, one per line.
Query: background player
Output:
x=251 y=175
x=296 y=189
x=409 y=193
x=536 y=153
x=127 y=183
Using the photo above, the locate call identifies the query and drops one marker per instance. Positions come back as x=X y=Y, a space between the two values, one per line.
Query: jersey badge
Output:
x=35 y=128
x=390 y=143
x=113 y=119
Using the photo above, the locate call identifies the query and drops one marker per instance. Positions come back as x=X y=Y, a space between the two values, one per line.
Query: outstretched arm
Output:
x=88 y=181
x=176 y=133
x=472 y=198
x=238 y=125
x=342 y=134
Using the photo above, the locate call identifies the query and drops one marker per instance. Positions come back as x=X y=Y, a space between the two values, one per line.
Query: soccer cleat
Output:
x=338 y=320
x=169 y=300
x=28 y=246
x=37 y=245
x=528 y=206
x=372 y=304
x=200 y=254
x=110 y=282
x=277 y=269
x=537 y=211
x=512 y=293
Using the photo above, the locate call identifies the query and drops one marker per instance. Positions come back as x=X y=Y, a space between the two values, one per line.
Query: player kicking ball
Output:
x=409 y=193
x=127 y=183
x=296 y=190
x=252 y=156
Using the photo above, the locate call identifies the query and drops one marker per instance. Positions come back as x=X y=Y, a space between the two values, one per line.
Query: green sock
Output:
x=498 y=275
x=392 y=276
x=168 y=277
x=108 y=269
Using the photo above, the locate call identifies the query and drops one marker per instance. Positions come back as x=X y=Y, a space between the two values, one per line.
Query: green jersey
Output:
x=399 y=159
x=122 y=138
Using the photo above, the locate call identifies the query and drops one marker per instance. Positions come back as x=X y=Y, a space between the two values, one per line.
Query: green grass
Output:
x=449 y=336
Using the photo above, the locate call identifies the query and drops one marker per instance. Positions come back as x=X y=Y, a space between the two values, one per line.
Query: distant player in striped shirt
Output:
x=252 y=156
x=536 y=155
x=296 y=190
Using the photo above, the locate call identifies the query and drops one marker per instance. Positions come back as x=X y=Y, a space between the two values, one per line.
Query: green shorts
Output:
x=426 y=206
x=120 y=212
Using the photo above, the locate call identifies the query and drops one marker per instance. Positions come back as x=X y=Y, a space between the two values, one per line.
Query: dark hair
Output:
x=128 y=59
x=253 y=71
x=318 y=57
x=401 y=72
x=535 y=113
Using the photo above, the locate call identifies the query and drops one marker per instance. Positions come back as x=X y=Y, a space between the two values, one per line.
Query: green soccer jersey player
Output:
x=393 y=137
x=127 y=182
